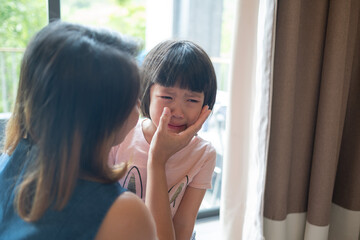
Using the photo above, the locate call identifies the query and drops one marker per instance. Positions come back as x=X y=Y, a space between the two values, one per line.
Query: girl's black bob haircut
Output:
x=178 y=62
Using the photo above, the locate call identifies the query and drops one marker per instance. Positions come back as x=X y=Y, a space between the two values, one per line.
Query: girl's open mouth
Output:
x=177 y=128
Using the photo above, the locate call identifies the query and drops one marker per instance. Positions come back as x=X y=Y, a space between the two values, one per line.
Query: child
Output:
x=180 y=76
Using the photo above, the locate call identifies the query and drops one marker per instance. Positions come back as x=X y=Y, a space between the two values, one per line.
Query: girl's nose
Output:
x=176 y=110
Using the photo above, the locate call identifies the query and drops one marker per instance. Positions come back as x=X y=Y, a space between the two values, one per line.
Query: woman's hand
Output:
x=164 y=143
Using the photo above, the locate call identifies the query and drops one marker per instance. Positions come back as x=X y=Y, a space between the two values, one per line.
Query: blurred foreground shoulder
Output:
x=127 y=218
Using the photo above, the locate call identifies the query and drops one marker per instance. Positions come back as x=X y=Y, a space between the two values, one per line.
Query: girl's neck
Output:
x=148 y=129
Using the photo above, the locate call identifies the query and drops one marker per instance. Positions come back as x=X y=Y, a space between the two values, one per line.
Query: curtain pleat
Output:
x=347 y=190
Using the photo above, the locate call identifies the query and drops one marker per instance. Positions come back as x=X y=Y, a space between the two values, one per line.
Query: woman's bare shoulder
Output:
x=127 y=218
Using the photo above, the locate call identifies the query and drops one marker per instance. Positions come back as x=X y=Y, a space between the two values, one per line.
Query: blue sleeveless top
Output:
x=80 y=219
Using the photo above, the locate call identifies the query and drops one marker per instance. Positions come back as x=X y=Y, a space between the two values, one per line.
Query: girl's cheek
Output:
x=194 y=120
x=165 y=104
x=197 y=117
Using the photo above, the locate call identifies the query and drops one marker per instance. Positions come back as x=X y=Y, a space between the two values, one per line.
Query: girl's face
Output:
x=185 y=106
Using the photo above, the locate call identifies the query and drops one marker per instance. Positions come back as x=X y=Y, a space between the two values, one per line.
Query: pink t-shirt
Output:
x=192 y=166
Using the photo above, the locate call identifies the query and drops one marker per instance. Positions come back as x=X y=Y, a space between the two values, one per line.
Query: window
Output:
x=207 y=23
x=20 y=20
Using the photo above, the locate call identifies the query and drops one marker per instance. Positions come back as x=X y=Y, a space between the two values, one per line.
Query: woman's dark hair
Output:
x=77 y=87
x=178 y=62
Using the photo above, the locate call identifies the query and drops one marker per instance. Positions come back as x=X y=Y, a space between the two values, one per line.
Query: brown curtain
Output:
x=314 y=149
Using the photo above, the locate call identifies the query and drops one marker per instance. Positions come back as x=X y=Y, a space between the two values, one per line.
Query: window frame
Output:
x=54 y=10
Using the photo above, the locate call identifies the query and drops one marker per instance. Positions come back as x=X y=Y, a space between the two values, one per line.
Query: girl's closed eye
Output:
x=193 y=100
x=166 y=97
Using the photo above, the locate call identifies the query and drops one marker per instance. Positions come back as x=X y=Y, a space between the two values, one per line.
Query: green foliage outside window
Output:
x=125 y=16
x=20 y=20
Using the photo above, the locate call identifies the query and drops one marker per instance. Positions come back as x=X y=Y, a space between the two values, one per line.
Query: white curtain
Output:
x=248 y=120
